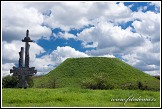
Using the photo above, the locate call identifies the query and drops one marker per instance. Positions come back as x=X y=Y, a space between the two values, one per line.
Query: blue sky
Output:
x=54 y=42
x=129 y=31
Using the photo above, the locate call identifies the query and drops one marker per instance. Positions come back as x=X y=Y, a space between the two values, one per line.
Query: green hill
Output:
x=110 y=72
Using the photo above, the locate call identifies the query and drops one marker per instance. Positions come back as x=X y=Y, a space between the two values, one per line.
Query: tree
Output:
x=12 y=82
x=9 y=81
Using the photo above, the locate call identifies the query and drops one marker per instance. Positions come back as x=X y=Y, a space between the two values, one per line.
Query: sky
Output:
x=129 y=31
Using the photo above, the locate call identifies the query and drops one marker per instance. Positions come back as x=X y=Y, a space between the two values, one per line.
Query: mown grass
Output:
x=73 y=71
x=73 y=97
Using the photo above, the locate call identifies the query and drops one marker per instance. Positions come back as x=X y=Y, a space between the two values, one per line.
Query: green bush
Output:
x=9 y=81
x=30 y=82
x=130 y=86
x=12 y=82
x=140 y=85
x=143 y=86
x=98 y=81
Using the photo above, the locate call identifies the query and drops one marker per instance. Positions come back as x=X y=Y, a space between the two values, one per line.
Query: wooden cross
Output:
x=23 y=71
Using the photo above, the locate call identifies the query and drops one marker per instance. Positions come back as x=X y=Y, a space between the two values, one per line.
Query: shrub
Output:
x=142 y=87
x=132 y=86
x=98 y=81
x=129 y=86
x=12 y=82
x=30 y=82
x=9 y=81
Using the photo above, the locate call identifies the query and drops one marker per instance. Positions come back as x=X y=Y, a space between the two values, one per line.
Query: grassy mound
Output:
x=97 y=73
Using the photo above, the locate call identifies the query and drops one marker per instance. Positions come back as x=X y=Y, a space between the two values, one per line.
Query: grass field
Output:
x=62 y=87
x=73 y=97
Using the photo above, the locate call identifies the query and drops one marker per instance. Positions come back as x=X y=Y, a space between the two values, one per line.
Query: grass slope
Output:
x=73 y=71
x=73 y=97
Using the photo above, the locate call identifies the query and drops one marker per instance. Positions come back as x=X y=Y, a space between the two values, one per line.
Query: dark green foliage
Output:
x=79 y=72
x=9 y=82
x=158 y=77
x=12 y=82
x=140 y=85
x=130 y=86
x=97 y=81
x=30 y=82
x=143 y=86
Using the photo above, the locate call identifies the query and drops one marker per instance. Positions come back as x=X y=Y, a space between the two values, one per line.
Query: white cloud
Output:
x=89 y=45
x=14 y=47
x=62 y=53
x=148 y=26
x=42 y=65
x=69 y=15
x=6 y=68
x=64 y=15
x=107 y=36
x=155 y=72
x=142 y=8
x=8 y=49
x=66 y=35
x=131 y=59
x=145 y=57
x=16 y=19
x=107 y=55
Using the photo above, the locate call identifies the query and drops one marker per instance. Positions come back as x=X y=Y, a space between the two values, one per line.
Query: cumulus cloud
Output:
x=108 y=56
x=69 y=15
x=17 y=19
x=10 y=50
x=67 y=52
x=6 y=69
x=148 y=26
x=66 y=35
x=110 y=37
x=62 y=53
x=65 y=15
x=144 y=57
x=155 y=72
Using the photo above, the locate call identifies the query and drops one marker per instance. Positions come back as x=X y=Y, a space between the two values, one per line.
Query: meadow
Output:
x=74 y=97
x=71 y=84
